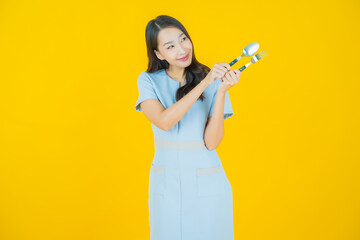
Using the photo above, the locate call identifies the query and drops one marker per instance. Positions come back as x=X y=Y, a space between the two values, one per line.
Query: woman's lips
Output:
x=184 y=58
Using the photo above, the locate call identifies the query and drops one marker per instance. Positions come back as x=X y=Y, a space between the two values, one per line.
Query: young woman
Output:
x=190 y=197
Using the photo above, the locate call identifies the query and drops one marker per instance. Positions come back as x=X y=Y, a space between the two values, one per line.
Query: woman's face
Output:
x=173 y=45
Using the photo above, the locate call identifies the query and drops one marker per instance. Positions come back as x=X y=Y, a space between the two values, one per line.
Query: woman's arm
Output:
x=165 y=119
x=214 y=129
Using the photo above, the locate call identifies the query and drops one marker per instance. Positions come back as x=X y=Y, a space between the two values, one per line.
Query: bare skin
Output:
x=165 y=119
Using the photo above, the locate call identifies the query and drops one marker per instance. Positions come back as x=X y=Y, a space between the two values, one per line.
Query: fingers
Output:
x=225 y=65
x=218 y=73
x=232 y=77
x=227 y=81
x=220 y=69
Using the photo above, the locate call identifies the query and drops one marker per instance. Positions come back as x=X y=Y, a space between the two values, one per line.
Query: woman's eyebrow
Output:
x=172 y=41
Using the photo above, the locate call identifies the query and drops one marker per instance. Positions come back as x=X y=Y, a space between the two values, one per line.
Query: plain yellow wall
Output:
x=75 y=155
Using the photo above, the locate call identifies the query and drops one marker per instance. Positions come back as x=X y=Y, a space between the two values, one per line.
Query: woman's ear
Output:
x=158 y=54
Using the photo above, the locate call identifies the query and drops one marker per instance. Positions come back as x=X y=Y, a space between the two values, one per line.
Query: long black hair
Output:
x=195 y=72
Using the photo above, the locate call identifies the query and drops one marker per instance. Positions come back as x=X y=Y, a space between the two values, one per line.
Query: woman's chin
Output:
x=186 y=64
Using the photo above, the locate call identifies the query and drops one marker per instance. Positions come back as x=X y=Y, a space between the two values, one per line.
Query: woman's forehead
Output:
x=169 y=34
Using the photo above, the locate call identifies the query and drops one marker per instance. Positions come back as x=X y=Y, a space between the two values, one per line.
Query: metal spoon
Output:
x=248 y=51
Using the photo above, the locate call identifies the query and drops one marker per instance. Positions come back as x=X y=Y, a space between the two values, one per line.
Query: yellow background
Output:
x=75 y=155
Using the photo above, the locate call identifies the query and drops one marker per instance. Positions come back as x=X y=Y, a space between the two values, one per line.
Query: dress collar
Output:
x=173 y=80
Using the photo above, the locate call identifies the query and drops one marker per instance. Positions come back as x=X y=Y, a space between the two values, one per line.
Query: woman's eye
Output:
x=172 y=45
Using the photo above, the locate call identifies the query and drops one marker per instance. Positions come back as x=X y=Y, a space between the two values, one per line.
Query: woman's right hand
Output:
x=218 y=71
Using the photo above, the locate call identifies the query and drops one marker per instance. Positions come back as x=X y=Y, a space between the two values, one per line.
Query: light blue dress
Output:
x=190 y=197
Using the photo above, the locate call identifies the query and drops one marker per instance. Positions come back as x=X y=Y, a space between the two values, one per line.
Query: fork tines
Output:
x=261 y=55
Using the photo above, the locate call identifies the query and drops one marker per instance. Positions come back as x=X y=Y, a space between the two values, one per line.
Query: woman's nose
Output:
x=181 y=51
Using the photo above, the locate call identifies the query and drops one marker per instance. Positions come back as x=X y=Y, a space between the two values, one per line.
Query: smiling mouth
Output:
x=184 y=58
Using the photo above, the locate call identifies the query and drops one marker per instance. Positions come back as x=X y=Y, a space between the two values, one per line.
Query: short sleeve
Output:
x=146 y=90
x=228 y=111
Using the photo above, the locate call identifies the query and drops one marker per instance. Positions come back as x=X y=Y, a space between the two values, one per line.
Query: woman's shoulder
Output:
x=147 y=76
x=154 y=79
x=152 y=74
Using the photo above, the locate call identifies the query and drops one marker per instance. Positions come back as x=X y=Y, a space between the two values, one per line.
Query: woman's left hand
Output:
x=230 y=79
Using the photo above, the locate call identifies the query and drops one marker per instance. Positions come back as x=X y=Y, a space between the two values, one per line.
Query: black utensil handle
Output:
x=242 y=68
x=233 y=62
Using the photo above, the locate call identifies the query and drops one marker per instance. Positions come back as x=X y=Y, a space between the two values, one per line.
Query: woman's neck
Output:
x=177 y=74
